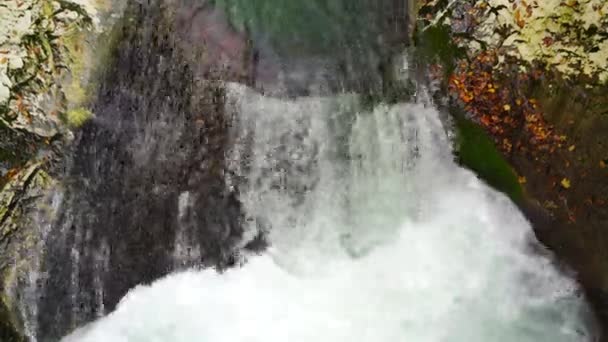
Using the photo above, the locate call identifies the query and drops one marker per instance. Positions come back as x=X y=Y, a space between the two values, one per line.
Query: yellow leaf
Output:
x=522 y=180
x=506 y=107
x=602 y=164
x=571 y=148
x=550 y=205
x=571 y=3
x=565 y=183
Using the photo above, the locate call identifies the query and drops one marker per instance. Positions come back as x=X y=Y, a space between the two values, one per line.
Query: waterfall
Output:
x=292 y=208
x=374 y=233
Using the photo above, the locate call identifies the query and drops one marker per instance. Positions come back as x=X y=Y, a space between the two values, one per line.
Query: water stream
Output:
x=375 y=235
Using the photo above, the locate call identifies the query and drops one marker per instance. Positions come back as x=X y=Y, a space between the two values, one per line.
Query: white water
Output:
x=394 y=243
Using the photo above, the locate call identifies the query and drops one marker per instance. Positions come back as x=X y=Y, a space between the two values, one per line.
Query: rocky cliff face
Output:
x=140 y=189
x=145 y=179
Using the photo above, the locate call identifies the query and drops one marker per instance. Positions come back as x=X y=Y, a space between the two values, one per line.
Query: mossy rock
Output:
x=8 y=332
x=434 y=44
x=477 y=152
x=77 y=117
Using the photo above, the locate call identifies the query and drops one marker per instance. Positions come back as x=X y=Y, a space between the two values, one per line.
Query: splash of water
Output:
x=376 y=235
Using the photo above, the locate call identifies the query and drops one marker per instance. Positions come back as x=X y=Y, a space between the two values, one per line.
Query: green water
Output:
x=317 y=26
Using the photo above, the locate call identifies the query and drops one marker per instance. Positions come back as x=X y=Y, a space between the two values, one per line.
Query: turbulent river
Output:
x=374 y=233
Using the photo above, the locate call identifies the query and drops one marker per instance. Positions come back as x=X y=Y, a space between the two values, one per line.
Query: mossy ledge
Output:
x=476 y=151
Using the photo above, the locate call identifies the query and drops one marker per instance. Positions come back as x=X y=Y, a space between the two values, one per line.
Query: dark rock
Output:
x=8 y=331
x=146 y=178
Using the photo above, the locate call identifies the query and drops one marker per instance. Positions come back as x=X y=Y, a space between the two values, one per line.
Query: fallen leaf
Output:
x=550 y=205
x=565 y=183
x=571 y=148
x=571 y=3
x=518 y=19
x=485 y=120
x=12 y=172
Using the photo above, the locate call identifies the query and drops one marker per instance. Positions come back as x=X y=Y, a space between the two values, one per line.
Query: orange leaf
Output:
x=518 y=19
x=485 y=120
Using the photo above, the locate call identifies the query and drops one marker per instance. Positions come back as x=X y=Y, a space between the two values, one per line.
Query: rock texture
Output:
x=20 y=242
x=146 y=191
x=573 y=220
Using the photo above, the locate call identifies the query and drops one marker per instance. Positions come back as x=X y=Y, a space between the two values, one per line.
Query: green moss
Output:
x=477 y=151
x=77 y=117
x=434 y=44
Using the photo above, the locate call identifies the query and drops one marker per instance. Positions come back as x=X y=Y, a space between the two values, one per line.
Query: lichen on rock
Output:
x=43 y=66
x=34 y=57
x=571 y=36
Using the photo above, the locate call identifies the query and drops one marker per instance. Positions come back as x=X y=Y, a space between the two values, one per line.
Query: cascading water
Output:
x=375 y=235
x=365 y=228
